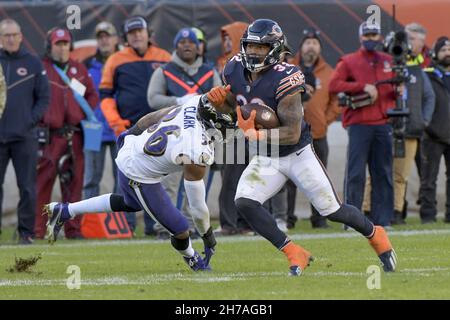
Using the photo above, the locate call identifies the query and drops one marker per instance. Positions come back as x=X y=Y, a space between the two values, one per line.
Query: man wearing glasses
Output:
x=27 y=98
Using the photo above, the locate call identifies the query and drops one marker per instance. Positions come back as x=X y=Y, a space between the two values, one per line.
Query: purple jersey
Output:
x=277 y=82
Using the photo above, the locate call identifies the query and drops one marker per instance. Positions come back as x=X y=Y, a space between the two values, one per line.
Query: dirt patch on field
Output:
x=24 y=264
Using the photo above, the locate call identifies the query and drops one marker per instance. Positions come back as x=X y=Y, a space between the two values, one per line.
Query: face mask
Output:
x=370 y=45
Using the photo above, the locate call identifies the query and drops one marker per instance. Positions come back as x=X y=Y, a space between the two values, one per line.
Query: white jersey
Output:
x=161 y=149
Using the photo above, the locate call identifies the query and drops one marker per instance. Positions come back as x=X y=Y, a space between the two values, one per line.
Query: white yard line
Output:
x=348 y=234
x=201 y=278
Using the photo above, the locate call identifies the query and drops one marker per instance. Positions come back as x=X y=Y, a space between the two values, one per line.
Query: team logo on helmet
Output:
x=276 y=30
x=267 y=32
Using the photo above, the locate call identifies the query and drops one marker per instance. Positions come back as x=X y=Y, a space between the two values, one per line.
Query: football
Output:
x=266 y=117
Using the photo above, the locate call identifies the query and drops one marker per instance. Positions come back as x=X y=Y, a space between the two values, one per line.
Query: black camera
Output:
x=354 y=101
x=396 y=44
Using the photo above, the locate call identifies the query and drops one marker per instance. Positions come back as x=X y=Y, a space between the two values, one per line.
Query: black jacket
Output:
x=27 y=96
x=420 y=102
x=439 y=127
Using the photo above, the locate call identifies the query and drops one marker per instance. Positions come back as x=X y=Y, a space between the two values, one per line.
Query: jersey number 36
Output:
x=157 y=143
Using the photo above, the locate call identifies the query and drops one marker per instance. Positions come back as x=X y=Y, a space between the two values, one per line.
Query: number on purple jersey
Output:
x=157 y=143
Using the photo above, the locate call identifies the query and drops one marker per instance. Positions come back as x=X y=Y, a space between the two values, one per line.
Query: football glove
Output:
x=248 y=126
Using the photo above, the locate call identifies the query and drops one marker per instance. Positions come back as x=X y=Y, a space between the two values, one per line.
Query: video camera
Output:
x=354 y=101
x=396 y=44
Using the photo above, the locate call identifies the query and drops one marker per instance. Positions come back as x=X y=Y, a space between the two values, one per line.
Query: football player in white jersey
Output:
x=175 y=138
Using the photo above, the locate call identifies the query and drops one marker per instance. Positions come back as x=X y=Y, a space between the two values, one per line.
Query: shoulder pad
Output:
x=231 y=65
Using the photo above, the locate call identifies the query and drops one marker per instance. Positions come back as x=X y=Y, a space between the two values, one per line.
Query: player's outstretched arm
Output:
x=149 y=119
x=290 y=114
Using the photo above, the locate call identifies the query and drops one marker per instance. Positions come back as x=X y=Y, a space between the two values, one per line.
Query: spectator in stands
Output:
x=322 y=108
x=202 y=46
x=107 y=44
x=436 y=140
x=62 y=155
x=421 y=56
x=27 y=97
x=231 y=41
x=184 y=76
x=124 y=83
x=174 y=84
x=420 y=101
x=370 y=134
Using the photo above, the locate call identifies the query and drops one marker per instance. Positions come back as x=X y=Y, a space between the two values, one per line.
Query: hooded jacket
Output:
x=235 y=32
x=322 y=108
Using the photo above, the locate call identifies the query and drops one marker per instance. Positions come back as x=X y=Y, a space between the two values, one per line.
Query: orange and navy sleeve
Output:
x=106 y=87
x=292 y=81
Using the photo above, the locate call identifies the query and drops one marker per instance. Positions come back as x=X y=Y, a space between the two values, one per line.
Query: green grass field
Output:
x=244 y=268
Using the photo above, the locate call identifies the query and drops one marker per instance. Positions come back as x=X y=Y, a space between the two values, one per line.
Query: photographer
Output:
x=370 y=134
x=420 y=101
x=436 y=140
